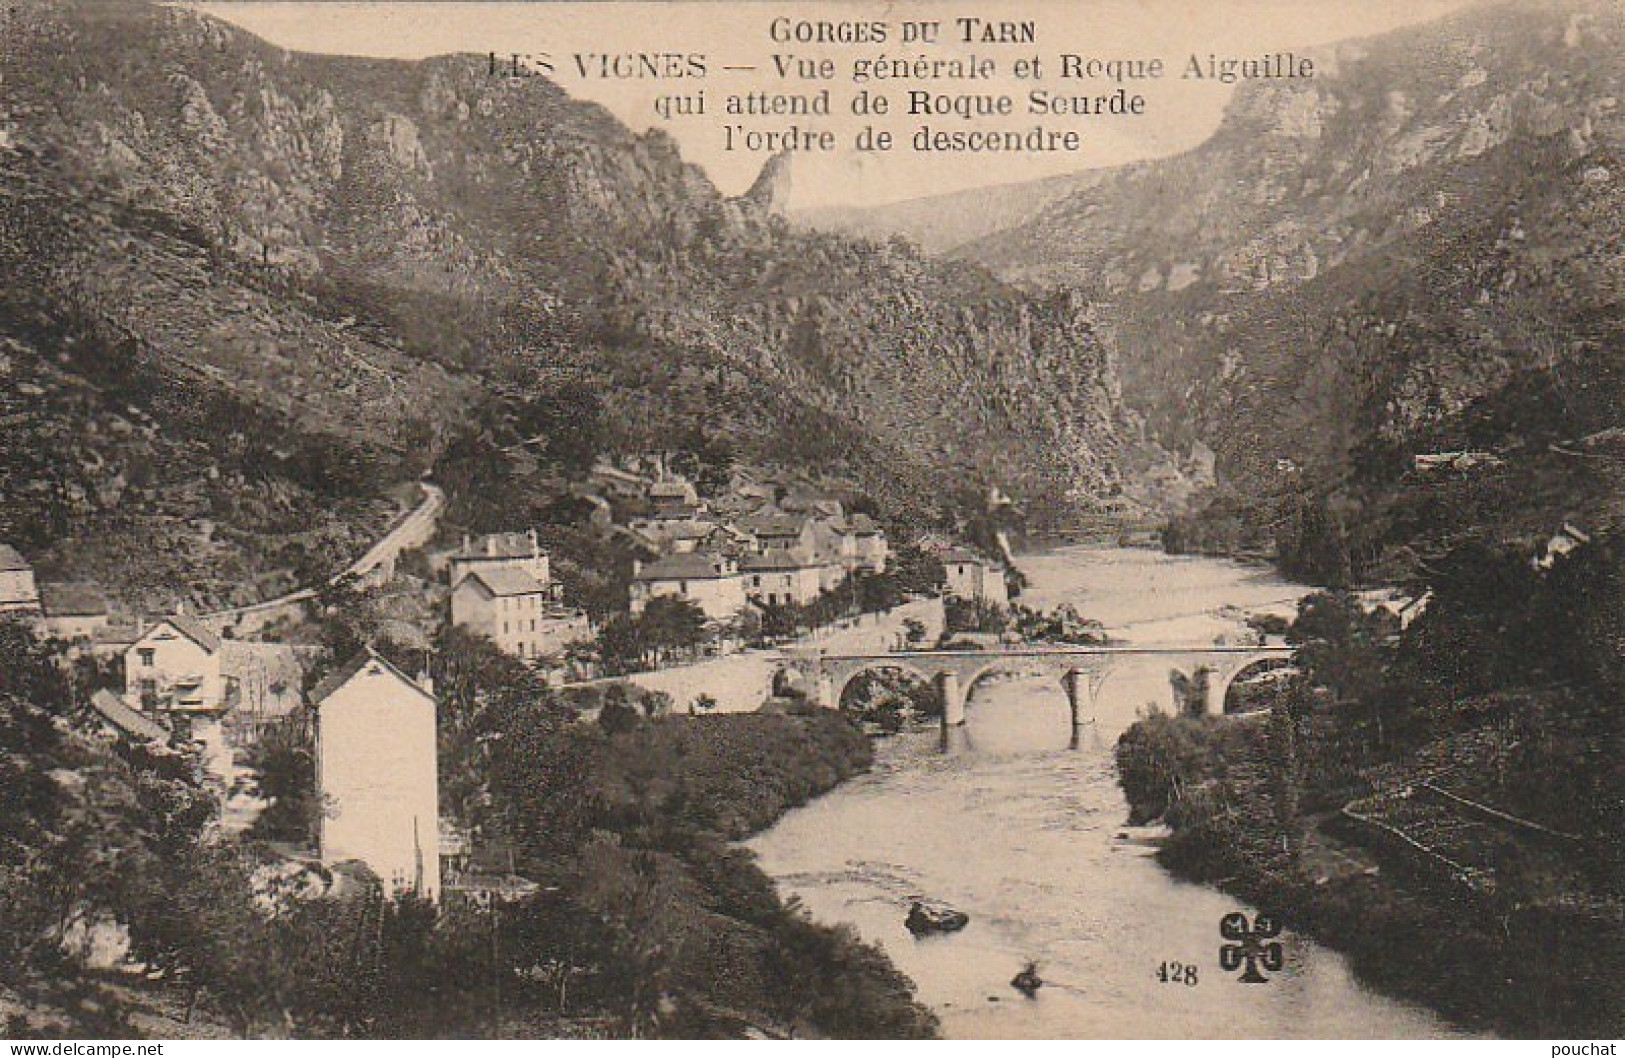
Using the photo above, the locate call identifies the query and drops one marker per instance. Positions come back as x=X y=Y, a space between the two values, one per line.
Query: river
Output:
x=1010 y=826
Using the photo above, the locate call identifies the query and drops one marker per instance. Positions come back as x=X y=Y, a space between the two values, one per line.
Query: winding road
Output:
x=411 y=530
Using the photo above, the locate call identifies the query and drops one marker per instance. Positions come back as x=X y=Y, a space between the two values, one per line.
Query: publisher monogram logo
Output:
x=1252 y=946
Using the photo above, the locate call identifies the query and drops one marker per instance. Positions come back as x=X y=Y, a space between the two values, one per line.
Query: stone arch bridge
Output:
x=1082 y=670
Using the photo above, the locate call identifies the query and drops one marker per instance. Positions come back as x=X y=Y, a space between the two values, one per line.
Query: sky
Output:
x=733 y=41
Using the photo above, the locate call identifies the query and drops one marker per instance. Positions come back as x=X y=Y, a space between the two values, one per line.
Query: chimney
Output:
x=468 y=545
x=637 y=566
x=535 y=545
x=426 y=681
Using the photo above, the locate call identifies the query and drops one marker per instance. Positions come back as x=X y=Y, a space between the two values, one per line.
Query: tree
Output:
x=1346 y=650
x=671 y=623
x=917 y=571
x=285 y=758
x=880 y=593
x=974 y=615
x=566 y=422
x=485 y=696
x=621 y=645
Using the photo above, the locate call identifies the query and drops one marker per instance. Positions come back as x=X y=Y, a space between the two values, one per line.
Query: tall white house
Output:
x=377 y=774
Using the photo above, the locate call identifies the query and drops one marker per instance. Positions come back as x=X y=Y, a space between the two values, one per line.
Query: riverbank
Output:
x=1287 y=847
x=699 y=942
x=1005 y=821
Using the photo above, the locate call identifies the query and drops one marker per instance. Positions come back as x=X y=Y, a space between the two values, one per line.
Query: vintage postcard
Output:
x=815 y=519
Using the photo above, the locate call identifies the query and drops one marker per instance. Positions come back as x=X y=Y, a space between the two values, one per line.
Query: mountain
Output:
x=941 y=224
x=378 y=260
x=1415 y=251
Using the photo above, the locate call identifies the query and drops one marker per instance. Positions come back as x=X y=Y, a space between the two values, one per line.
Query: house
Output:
x=518 y=551
x=783 y=576
x=115 y=639
x=857 y=544
x=970 y=576
x=516 y=612
x=864 y=543
x=175 y=667
x=782 y=531
x=679 y=535
x=73 y=612
x=18 y=593
x=376 y=772
x=711 y=582
x=614 y=482
x=674 y=497
x=174 y=670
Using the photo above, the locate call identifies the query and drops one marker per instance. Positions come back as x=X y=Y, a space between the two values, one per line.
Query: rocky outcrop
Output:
x=1415 y=250
x=928 y=917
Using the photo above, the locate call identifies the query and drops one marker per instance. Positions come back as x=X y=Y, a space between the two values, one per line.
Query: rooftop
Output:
x=112 y=709
x=678 y=490
x=499 y=545
x=350 y=669
x=685 y=566
x=775 y=524
x=781 y=558
x=192 y=629
x=11 y=559
x=506 y=582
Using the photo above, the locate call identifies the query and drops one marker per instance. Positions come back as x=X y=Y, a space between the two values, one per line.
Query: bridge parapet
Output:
x=1083 y=670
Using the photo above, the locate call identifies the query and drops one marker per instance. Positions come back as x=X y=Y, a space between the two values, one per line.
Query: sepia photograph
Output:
x=812 y=519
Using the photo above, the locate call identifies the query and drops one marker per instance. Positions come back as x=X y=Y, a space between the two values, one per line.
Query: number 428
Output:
x=1177 y=973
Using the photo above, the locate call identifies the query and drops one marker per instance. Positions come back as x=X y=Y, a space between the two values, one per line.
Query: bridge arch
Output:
x=843 y=683
x=1251 y=666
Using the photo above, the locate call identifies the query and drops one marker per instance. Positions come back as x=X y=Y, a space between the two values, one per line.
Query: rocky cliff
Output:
x=367 y=252
x=1416 y=251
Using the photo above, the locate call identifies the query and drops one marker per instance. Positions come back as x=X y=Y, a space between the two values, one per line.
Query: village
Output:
x=760 y=565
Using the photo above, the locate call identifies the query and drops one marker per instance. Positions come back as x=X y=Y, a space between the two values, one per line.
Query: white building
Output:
x=783 y=576
x=712 y=582
x=18 y=593
x=377 y=774
x=174 y=671
x=970 y=576
x=175 y=667
x=516 y=612
x=863 y=544
x=777 y=530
